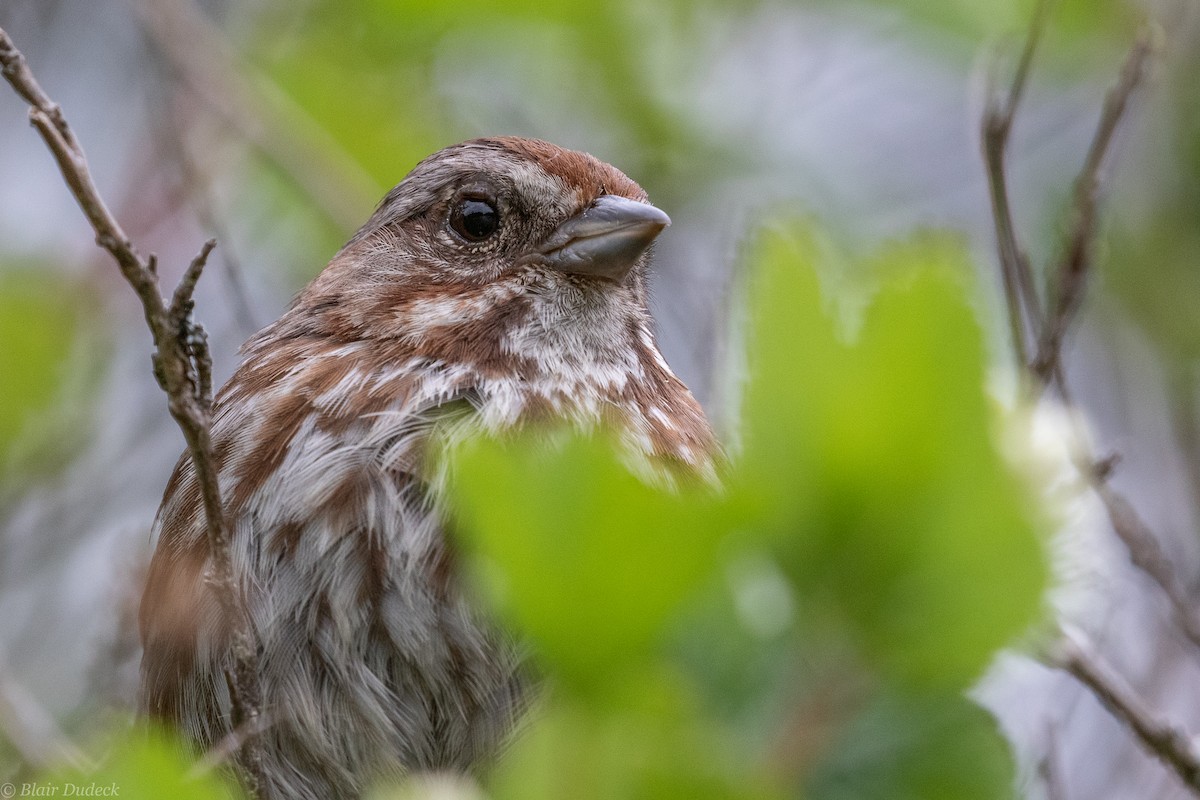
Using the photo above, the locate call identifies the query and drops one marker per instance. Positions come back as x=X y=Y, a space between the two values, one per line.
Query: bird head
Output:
x=497 y=254
x=486 y=209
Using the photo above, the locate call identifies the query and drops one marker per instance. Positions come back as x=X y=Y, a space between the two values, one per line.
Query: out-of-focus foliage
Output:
x=905 y=747
x=389 y=51
x=393 y=52
x=615 y=59
x=875 y=466
x=1072 y=18
x=39 y=317
x=879 y=525
x=1154 y=256
x=140 y=765
x=549 y=535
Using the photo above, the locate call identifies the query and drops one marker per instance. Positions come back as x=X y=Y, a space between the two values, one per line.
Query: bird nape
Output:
x=500 y=285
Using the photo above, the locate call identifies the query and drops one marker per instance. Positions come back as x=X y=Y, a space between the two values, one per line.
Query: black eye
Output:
x=475 y=219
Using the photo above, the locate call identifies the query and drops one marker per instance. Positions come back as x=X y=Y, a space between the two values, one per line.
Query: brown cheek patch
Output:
x=404 y=300
x=480 y=344
x=475 y=337
x=591 y=176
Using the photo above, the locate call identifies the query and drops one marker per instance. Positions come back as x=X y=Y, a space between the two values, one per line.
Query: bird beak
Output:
x=604 y=240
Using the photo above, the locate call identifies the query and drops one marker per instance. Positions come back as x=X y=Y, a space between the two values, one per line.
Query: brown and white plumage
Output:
x=370 y=660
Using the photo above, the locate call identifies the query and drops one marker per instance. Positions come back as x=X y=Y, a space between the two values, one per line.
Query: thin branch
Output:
x=181 y=300
x=1076 y=263
x=182 y=366
x=1144 y=549
x=1170 y=744
x=1145 y=552
x=1141 y=543
x=1021 y=296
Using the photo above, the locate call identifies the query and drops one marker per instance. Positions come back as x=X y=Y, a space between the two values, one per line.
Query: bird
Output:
x=502 y=285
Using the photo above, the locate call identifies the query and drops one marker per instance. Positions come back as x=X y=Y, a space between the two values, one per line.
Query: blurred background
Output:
x=276 y=126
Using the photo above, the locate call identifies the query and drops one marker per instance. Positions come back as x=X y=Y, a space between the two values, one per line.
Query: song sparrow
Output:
x=501 y=282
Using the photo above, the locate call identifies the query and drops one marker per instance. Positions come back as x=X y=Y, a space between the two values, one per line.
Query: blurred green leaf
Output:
x=938 y=747
x=593 y=560
x=649 y=740
x=870 y=494
x=874 y=463
x=1149 y=259
x=37 y=328
x=394 y=51
x=142 y=765
x=1077 y=19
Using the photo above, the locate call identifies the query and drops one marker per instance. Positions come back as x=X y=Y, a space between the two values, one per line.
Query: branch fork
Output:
x=183 y=367
x=1044 y=370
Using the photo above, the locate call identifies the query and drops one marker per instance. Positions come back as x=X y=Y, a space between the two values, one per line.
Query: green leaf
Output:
x=594 y=561
x=938 y=747
x=1147 y=257
x=650 y=740
x=874 y=464
x=37 y=326
x=1076 y=18
x=874 y=526
x=143 y=765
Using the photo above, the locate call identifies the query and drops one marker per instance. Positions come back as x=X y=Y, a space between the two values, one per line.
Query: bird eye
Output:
x=475 y=219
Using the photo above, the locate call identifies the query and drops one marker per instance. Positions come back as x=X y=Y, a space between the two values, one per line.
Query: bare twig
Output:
x=1144 y=549
x=181 y=364
x=1024 y=307
x=1168 y=743
x=1146 y=553
x=1076 y=262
